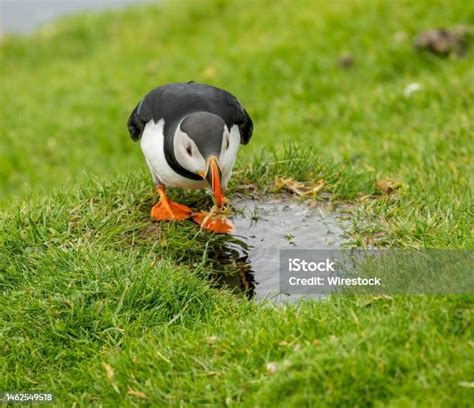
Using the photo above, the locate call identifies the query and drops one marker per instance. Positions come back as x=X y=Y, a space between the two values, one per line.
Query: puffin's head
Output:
x=201 y=142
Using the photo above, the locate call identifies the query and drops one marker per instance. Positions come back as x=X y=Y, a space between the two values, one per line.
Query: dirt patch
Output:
x=346 y=60
x=443 y=41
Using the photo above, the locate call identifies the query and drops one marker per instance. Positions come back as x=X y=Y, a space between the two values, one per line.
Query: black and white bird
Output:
x=190 y=134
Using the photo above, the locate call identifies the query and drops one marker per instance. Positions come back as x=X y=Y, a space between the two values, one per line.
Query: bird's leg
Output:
x=167 y=210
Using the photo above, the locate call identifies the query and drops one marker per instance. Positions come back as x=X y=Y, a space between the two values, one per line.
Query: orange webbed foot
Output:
x=170 y=211
x=167 y=210
x=214 y=223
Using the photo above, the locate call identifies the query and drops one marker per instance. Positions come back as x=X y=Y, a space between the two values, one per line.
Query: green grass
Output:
x=90 y=286
x=86 y=282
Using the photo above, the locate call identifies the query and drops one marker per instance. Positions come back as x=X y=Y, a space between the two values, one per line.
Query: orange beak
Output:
x=213 y=177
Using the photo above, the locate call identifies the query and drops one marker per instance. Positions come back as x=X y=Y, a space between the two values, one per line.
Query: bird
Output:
x=189 y=134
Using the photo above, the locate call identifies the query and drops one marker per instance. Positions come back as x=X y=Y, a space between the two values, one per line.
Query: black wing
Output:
x=173 y=101
x=135 y=124
x=246 y=128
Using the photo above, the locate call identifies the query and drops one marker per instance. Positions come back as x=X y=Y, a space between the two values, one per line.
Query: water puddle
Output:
x=248 y=261
x=23 y=16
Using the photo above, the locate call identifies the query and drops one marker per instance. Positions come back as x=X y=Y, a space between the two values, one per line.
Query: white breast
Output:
x=152 y=148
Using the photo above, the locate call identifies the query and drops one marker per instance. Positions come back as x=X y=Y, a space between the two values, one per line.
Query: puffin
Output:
x=190 y=134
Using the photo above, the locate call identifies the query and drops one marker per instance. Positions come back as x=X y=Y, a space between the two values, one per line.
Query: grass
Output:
x=101 y=309
x=86 y=289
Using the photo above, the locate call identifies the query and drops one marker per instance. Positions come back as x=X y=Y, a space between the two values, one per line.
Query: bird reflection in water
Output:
x=231 y=268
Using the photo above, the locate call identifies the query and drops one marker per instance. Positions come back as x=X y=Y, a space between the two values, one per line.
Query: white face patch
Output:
x=230 y=147
x=186 y=152
x=152 y=144
x=195 y=162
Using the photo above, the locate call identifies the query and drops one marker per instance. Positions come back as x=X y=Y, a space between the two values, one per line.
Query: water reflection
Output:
x=248 y=262
x=23 y=16
x=231 y=263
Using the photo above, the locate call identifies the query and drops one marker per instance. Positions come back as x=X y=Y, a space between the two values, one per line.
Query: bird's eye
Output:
x=189 y=151
x=227 y=144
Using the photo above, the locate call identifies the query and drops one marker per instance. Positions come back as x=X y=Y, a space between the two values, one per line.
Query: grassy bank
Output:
x=101 y=307
x=94 y=296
